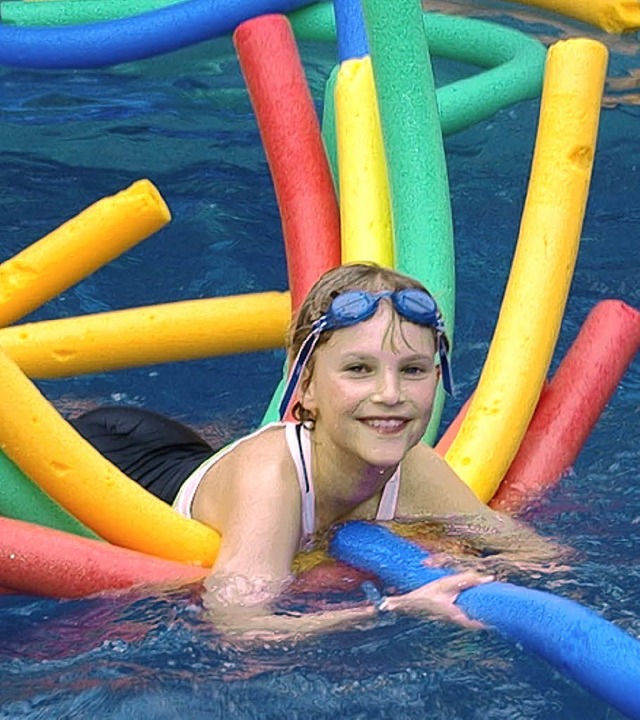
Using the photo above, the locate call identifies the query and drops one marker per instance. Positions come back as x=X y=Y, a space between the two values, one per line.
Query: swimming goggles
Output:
x=356 y=306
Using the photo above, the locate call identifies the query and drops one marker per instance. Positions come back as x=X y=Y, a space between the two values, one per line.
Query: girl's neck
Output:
x=342 y=481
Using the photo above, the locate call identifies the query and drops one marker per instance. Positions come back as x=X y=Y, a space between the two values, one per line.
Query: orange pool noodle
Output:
x=36 y=560
x=294 y=148
x=79 y=247
x=571 y=404
x=449 y=435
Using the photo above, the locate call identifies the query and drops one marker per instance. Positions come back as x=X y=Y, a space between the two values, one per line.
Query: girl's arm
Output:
x=258 y=516
x=430 y=488
x=436 y=600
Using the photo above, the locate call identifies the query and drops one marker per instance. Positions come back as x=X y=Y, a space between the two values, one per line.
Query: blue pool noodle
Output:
x=131 y=38
x=351 y=32
x=575 y=640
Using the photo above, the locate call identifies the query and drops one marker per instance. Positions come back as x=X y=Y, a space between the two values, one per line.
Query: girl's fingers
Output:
x=461 y=581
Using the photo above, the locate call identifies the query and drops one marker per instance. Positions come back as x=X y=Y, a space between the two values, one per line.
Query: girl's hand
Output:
x=437 y=599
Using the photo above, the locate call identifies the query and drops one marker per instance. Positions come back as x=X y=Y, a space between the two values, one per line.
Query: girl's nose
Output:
x=388 y=388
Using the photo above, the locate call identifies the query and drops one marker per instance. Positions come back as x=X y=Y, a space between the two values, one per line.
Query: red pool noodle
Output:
x=36 y=560
x=295 y=151
x=449 y=435
x=571 y=404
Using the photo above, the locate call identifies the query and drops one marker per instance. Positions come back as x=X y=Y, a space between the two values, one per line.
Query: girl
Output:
x=362 y=353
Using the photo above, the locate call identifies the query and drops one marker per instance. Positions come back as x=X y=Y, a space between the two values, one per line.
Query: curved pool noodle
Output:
x=416 y=165
x=572 y=403
x=365 y=211
x=575 y=640
x=542 y=268
x=77 y=248
x=614 y=16
x=515 y=62
x=56 y=457
x=177 y=331
x=351 y=34
x=40 y=561
x=54 y=13
x=132 y=38
x=290 y=133
x=22 y=499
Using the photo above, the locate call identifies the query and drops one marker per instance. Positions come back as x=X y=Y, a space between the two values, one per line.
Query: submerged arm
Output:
x=251 y=620
x=434 y=490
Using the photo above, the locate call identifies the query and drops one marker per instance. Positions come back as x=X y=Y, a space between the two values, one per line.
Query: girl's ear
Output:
x=307 y=391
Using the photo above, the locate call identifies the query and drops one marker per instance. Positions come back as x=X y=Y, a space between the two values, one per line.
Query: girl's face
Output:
x=372 y=387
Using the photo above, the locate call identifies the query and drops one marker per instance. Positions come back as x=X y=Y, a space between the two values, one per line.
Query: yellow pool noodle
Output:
x=614 y=16
x=51 y=453
x=143 y=336
x=542 y=268
x=365 y=209
x=79 y=247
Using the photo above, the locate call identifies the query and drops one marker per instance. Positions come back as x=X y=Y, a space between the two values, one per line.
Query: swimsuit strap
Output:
x=389 y=498
x=300 y=449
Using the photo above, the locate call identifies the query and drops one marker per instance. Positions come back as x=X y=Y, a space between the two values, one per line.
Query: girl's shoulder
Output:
x=261 y=450
x=257 y=468
x=430 y=486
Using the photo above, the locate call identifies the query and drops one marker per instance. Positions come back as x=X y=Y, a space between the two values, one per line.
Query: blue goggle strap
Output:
x=298 y=366
x=445 y=365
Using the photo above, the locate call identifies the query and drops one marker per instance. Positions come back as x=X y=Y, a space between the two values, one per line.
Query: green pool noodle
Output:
x=515 y=65
x=329 y=130
x=516 y=61
x=416 y=164
x=74 y=12
x=21 y=499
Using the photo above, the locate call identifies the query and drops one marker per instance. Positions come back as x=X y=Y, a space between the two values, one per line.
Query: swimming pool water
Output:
x=184 y=121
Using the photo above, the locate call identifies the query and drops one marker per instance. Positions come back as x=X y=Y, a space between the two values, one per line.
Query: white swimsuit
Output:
x=299 y=444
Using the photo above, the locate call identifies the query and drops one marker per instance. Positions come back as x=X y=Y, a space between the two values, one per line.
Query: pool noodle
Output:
x=351 y=34
x=132 y=38
x=329 y=130
x=514 y=62
x=416 y=166
x=50 y=452
x=575 y=640
x=180 y=331
x=572 y=403
x=77 y=248
x=614 y=16
x=290 y=133
x=518 y=57
x=54 y=13
x=450 y=433
x=365 y=212
x=418 y=182
x=40 y=561
x=542 y=268
x=21 y=499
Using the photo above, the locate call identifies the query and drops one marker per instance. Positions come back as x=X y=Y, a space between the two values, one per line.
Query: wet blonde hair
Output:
x=357 y=276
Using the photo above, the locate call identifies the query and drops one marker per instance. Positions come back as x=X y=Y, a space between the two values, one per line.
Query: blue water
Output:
x=184 y=121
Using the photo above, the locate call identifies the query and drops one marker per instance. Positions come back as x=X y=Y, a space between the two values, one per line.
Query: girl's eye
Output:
x=357 y=369
x=416 y=370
